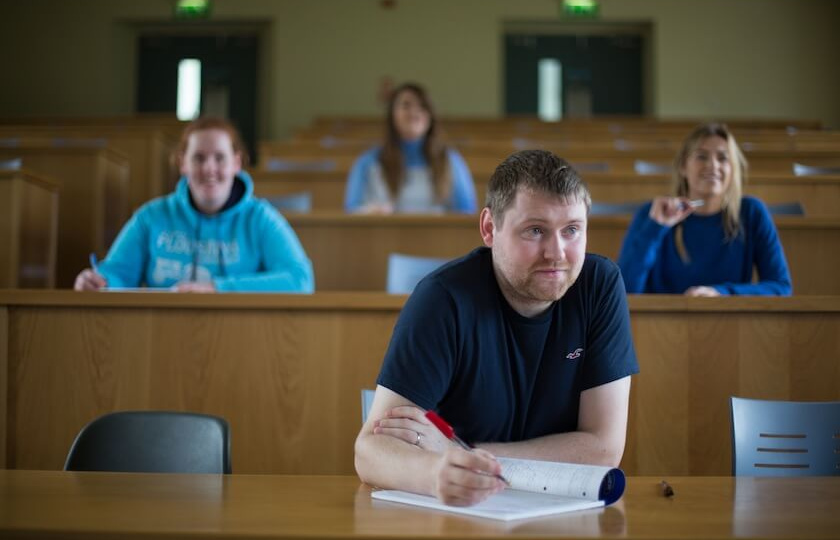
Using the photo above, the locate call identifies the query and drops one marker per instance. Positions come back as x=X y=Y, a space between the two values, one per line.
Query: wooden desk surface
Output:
x=50 y=504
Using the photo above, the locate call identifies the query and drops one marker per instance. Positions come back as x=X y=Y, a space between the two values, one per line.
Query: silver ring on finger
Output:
x=417 y=442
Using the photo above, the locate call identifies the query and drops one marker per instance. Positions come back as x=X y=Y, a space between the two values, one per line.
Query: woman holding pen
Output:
x=211 y=234
x=706 y=239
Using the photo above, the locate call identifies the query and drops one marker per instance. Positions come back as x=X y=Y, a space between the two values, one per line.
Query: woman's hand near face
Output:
x=668 y=211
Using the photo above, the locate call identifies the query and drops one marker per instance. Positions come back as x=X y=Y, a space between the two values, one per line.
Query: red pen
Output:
x=449 y=433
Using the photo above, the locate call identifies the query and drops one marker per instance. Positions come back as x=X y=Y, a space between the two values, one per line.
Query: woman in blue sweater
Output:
x=413 y=172
x=707 y=238
x=211 y=234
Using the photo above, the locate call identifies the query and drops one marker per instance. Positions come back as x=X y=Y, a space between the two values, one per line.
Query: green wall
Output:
x=748 y=58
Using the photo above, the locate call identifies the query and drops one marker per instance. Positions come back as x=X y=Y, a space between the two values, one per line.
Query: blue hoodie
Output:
x=247 y=246
x=650 y=263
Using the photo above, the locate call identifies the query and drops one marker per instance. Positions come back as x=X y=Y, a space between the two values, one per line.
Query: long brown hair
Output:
x=434 y=150
x=731 y=202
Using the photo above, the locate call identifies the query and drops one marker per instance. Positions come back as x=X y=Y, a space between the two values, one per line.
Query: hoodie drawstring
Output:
x=196 y=249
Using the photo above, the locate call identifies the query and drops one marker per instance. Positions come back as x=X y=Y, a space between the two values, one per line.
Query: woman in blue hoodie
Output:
x=707 y=239
x=413 y=172
x=211 y=234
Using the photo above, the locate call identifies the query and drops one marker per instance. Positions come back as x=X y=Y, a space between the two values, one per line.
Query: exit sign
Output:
x=579 y=8
x=192 y=9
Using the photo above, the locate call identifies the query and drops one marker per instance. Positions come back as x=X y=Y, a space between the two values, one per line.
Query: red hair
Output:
x=207 y=123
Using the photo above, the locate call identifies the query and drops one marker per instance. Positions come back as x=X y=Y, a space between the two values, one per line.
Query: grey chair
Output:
x=293 y=202
x=647 y=167
x=280 y=164
x=11 y=164
x=152 y=441
x=591 y=166
x=786 y=209
x=785 y=438
x=614 y=208
x=814 y=170
x=405 y=271
x=367 y=401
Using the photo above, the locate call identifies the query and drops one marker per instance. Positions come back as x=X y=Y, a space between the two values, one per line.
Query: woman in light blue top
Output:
x=413 y=172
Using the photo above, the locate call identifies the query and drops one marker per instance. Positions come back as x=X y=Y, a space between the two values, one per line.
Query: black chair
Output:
x=152 y=441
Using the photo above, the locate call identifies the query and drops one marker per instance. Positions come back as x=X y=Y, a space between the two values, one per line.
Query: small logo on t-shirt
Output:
x=575 y=354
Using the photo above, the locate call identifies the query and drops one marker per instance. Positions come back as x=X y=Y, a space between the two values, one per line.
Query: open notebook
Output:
x=537 y=488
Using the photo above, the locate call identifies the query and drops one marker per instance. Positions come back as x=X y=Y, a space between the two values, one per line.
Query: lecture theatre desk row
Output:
x=350 y=252
x=279 y=156
x=819 y=195
x=51 y=504
x=286 y=370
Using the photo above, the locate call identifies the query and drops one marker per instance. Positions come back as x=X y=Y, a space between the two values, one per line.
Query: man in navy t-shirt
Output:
x=523 y=346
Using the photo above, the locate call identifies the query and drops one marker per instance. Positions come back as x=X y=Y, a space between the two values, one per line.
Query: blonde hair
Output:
x=731 y=202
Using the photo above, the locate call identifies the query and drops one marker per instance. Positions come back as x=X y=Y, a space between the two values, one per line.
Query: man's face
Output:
x=538 y=249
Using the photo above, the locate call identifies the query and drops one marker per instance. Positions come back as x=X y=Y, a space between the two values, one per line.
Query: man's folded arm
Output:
x=599 y=440
x=389 y=462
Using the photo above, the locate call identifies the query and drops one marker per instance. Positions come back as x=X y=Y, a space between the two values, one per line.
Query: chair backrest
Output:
x=591 y=166
x=11 y=164
x=367 y=401
x=614 y=208
x=405 y=271
x=786 y=209
x=293 y=202
x=280 y=164
x=785 y=438
x=814 y=170
x=646 y=167
x=152 y=441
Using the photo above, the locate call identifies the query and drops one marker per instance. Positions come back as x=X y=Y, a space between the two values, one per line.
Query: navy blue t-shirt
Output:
x=459 y=348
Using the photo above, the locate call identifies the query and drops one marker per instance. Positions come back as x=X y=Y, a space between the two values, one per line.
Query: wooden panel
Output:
x=286 y=370
x=350 y=252
x=4 y=384
x=93 y=204
x=9 y=230
x=326 y=188
x=29 y=229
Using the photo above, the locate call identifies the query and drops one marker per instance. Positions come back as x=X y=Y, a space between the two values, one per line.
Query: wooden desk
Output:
x=350 y=252
x=286 y=370
x=482 y=159
x=94 y=199
x=42 y=504
x=28 y=229
x=819 y=195
x=147 y=148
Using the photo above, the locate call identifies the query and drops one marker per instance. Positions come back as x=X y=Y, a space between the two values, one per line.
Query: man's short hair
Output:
x=539 y=171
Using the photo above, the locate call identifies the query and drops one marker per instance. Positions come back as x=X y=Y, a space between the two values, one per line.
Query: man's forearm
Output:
x=390 y=463
x=573 y=447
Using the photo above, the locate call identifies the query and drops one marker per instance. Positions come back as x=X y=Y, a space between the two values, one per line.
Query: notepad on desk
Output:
x=537 y=488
